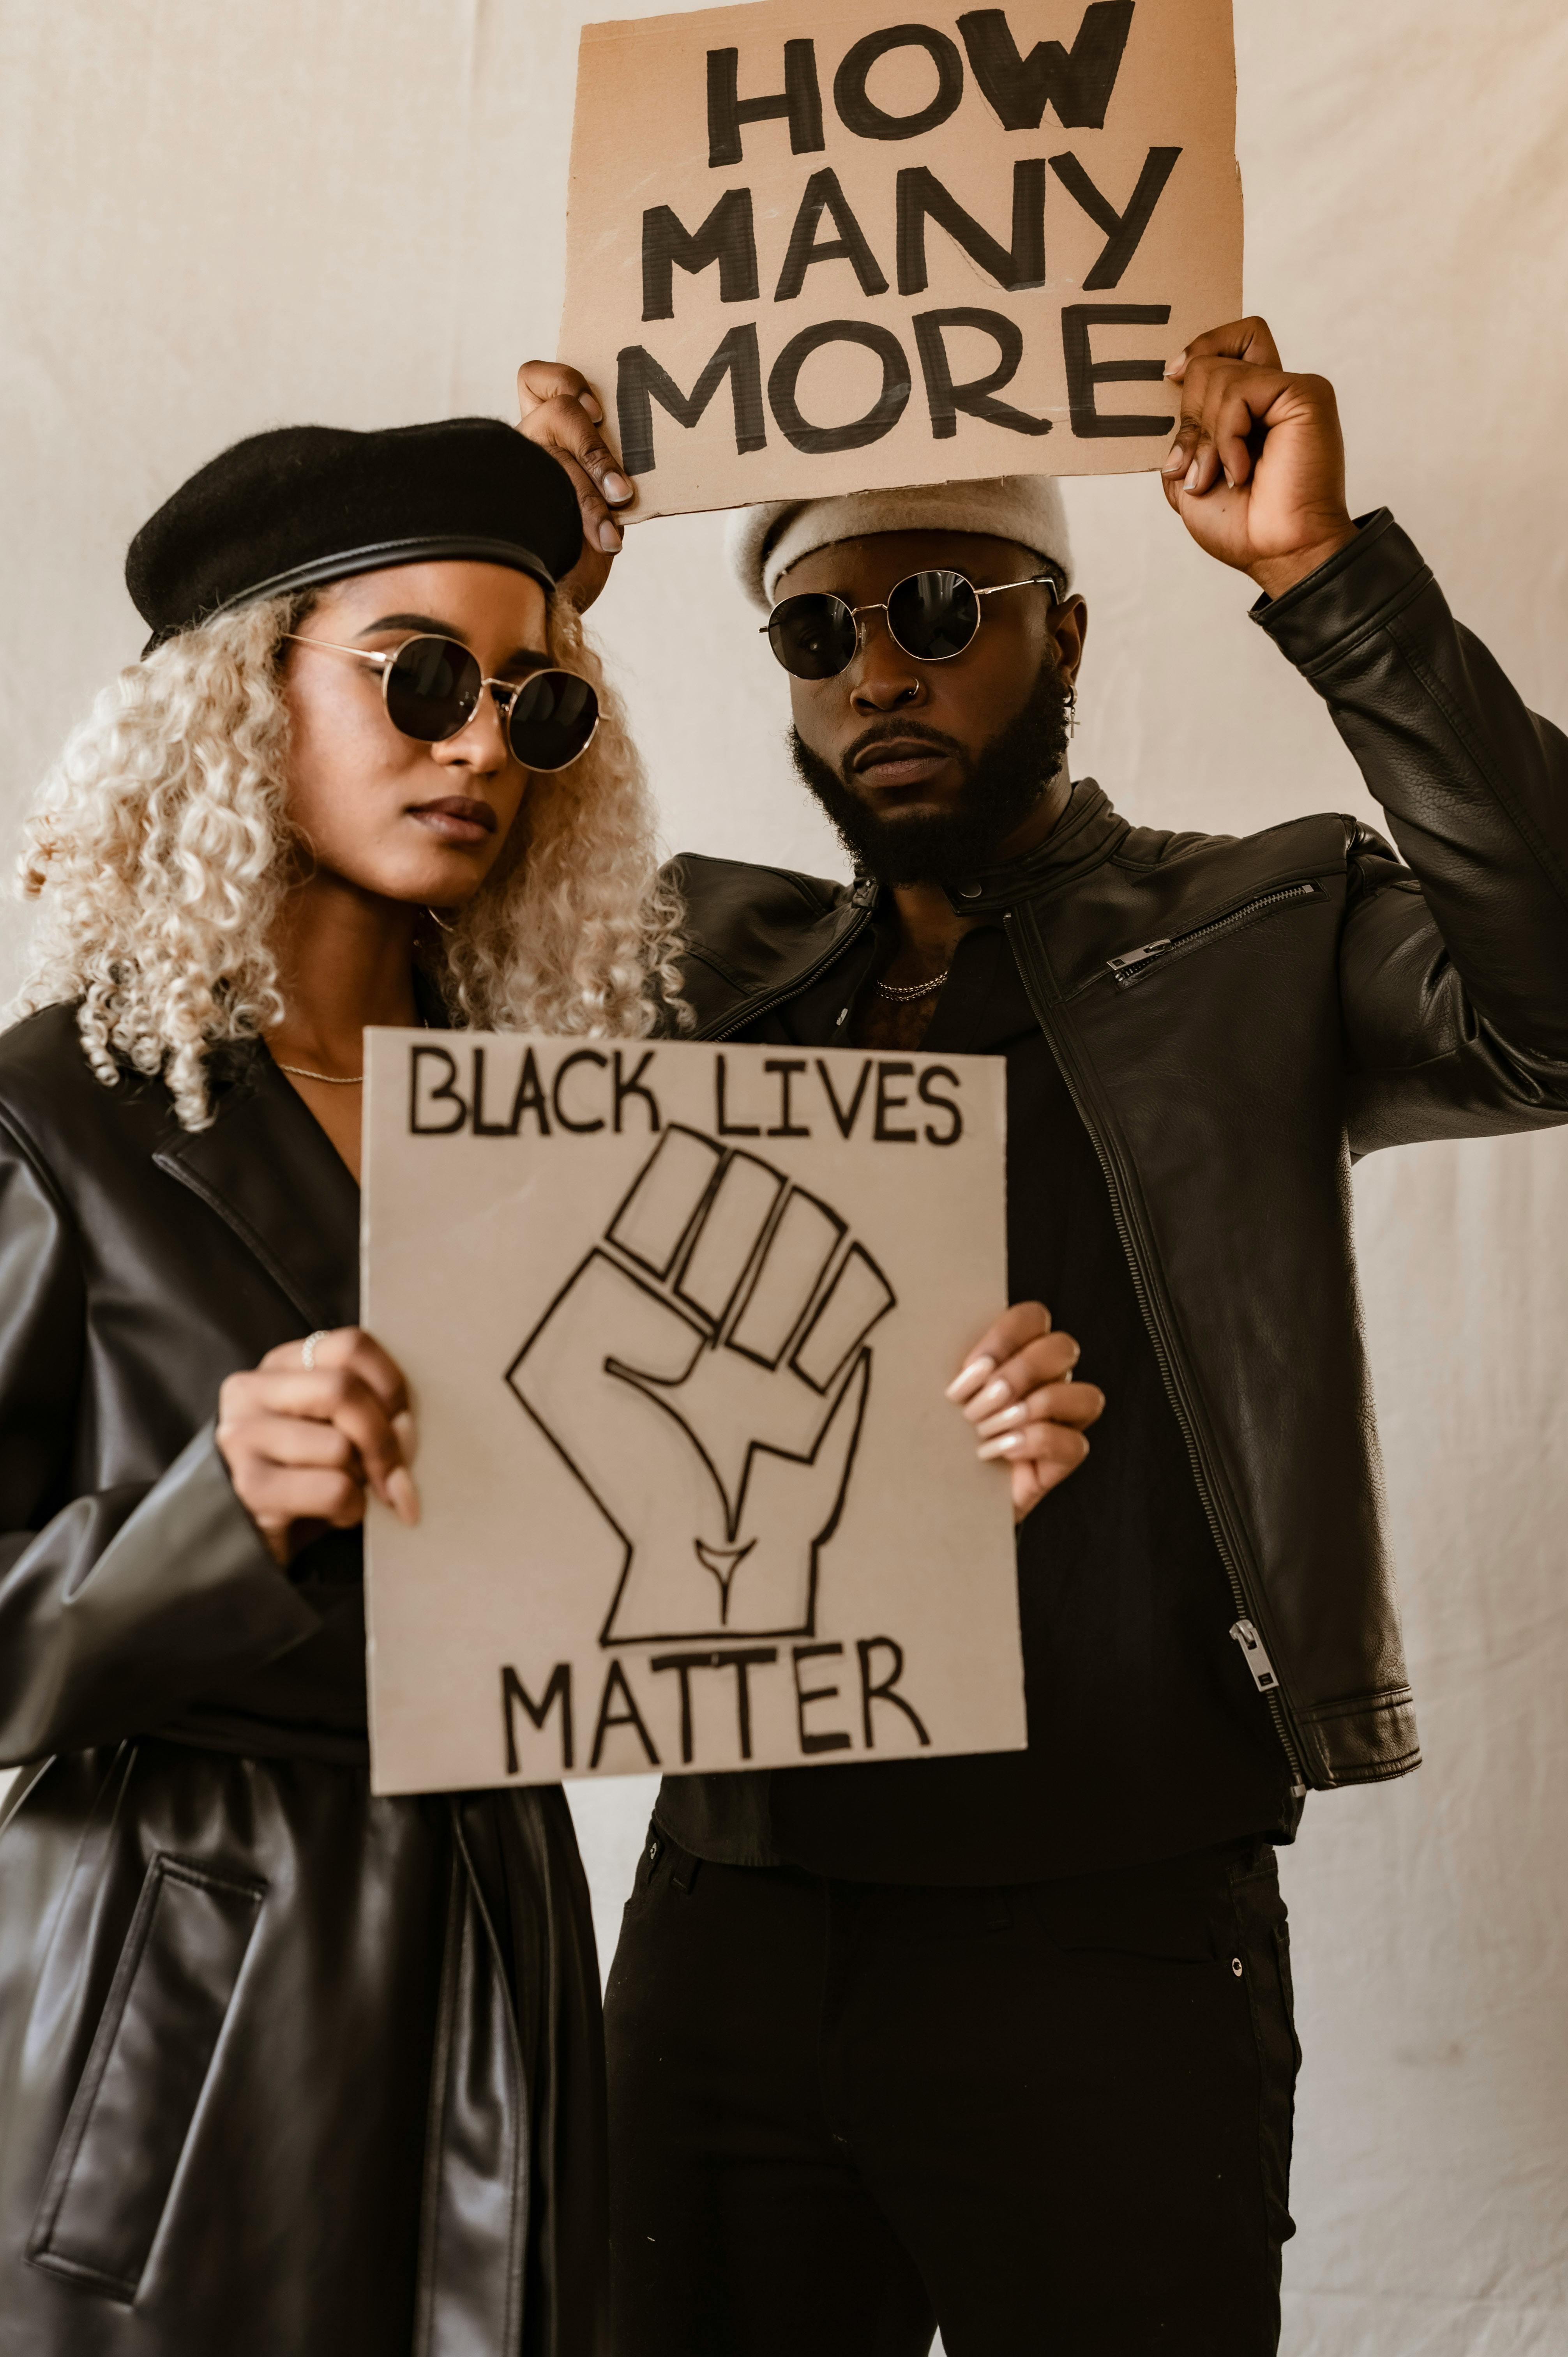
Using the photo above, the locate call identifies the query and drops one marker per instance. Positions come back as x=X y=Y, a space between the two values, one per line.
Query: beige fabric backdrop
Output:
x=215 y=217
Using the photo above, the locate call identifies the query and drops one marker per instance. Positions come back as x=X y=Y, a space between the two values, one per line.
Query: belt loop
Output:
x=684 y=1872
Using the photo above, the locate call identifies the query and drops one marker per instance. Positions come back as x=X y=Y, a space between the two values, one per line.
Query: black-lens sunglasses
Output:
x=431 y=687
x=932 y=615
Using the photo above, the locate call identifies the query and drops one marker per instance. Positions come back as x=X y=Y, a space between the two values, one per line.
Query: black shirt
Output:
x=1147 y=1738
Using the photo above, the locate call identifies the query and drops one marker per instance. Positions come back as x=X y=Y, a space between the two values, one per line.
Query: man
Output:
x=1004 y=2043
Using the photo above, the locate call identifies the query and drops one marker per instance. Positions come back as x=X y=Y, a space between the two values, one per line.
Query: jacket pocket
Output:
x=109 y=2182
x=1133 y=964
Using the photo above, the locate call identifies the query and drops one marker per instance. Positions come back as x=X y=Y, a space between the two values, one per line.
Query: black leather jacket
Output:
x=1239 y=1020
x=286 y=2069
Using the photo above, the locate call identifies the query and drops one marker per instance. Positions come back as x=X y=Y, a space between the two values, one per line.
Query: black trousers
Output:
x=1050 y=2118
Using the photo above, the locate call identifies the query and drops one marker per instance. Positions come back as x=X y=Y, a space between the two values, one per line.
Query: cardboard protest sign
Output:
x=812 y=248
x=677 y=1319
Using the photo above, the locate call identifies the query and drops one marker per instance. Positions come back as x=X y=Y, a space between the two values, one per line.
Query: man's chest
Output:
x=879 y=1021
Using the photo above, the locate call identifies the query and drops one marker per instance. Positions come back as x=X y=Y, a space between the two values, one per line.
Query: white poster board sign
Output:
x=677 y=1321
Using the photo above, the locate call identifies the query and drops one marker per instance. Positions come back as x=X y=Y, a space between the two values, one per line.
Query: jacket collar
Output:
x=270 y=1172
x=1086 y=832
x=742 y=957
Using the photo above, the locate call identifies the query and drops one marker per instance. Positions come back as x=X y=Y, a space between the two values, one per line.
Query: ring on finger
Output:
x=308 y=1348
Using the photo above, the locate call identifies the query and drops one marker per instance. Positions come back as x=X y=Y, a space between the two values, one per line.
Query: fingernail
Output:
x=994 y=1395
x=1173 y=463
x=591 y=405
x=407 y=1434
x=1003 y=1423
x=1173 y=368
x=401 y=1495
x=616 y=488
x=1010 y=1443
x=1229 y=480
x=1190 y=484
x=610 y=538
x=965 y=1384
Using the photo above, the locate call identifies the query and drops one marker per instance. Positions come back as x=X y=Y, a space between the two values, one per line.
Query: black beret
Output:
x=306 y=504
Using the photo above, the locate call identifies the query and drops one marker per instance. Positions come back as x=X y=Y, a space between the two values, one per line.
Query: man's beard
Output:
x=1003 y=784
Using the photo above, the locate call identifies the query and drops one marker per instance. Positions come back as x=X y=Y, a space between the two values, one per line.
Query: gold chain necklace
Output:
x=332 y=1080
x=902 y=993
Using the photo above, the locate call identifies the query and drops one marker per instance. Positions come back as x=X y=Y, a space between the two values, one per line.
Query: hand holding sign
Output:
x=1016 y=1388
x=559 y=409
x=1257 y=469
x=307 y=1433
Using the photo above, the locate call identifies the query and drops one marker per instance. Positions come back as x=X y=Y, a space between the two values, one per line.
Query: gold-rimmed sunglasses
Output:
x=431 y=686
x=932 y=615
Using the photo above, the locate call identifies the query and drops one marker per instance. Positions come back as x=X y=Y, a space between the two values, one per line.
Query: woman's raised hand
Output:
x=303 y=1443
x=558 y=408
x=1015 y=1388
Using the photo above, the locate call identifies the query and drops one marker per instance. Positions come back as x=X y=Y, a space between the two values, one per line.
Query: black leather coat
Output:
x=285 y=2071
x=1239 y=1019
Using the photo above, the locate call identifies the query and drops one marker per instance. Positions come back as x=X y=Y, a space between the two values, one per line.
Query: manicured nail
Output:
x=1190 y=484
x=401 y=1495
x=1010 y=1445
x=590 y=402
x=1229 y=480
x=1176 y=369
x=406 y=1433
x=616 y=488
x=610 y=538
x=965 y=1384
x=1005 y=1422
x=1173 y=463
x=994 y=1395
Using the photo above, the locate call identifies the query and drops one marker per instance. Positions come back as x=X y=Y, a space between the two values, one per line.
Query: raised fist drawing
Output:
x=704 y=1372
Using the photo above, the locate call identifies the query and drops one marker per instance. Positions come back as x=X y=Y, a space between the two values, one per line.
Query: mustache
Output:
x=899 y=732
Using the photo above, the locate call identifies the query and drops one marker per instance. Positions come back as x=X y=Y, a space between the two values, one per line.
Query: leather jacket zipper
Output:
x=1080 y=1082
x=1255 y=1653
x=751 y=1010
x=1133 y=964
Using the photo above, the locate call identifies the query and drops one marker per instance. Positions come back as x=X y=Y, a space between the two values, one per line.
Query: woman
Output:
x=283 y=2067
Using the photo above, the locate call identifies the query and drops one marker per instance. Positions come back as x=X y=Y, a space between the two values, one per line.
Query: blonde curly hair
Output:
x=161 y=852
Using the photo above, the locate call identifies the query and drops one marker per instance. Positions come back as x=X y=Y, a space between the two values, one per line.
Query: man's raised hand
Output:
x=1257 y=469
x=558 y=408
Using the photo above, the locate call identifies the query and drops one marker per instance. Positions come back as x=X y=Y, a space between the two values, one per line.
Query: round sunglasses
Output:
x=932 y=615
x=431 y=687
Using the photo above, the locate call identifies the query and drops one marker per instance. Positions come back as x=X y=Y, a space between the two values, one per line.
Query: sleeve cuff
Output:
x=1362 y=586
x=229 y=1588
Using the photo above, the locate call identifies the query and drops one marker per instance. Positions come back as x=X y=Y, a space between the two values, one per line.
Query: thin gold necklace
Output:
x=341 y=1080
x=333 y=1079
